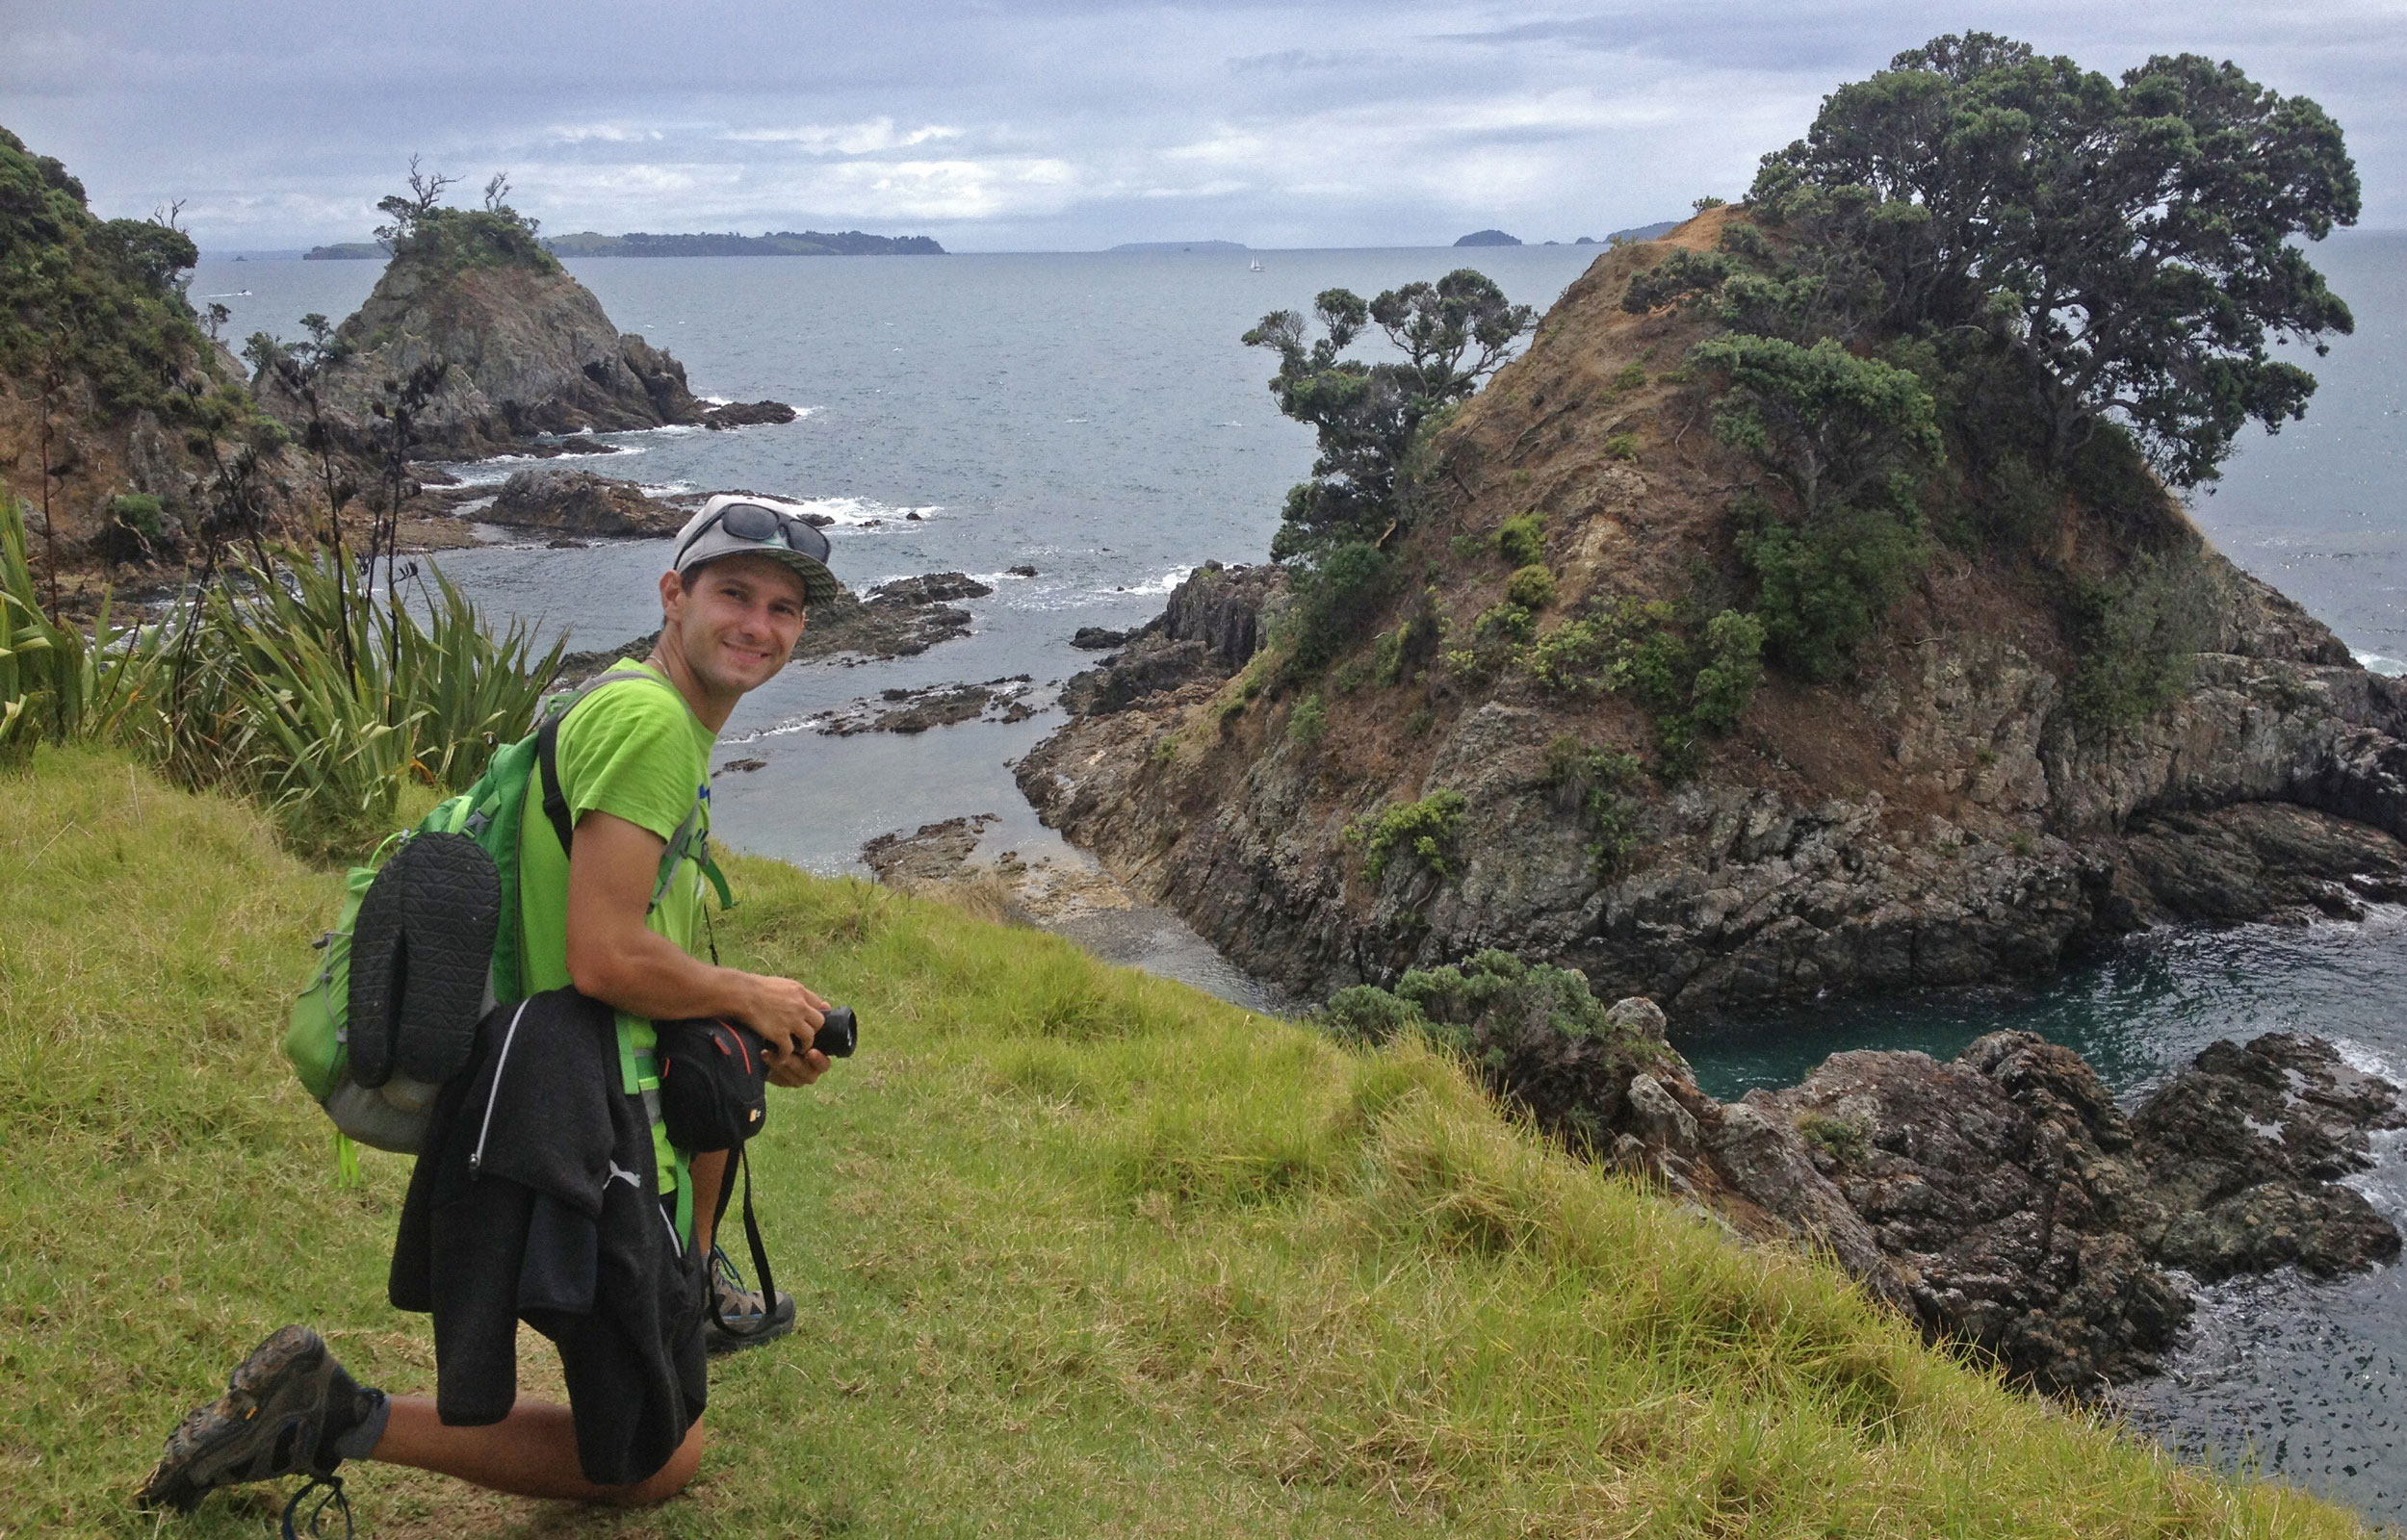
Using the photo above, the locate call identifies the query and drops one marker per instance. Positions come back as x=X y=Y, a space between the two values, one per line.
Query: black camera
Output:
x=839 y=1033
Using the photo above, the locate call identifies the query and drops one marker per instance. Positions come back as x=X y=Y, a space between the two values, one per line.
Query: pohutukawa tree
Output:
x=1452 y=334
x=2129 y=242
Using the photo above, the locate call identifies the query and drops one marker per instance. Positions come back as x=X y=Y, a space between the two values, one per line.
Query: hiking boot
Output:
x=283 y=1409
x=740 y=1317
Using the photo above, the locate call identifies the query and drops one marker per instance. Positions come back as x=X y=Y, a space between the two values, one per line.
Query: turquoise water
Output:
x=1095 y=417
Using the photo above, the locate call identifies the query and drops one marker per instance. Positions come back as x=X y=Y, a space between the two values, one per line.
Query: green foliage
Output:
x=1677 y=278
x=1630 y=376
x=1730 y=668
x=1850 y=438
x=1336 y=599
x=1501 y=624
x=1842 y=1139
x=294 y=687
x=1531 y=587
x=1521 y=539
x=55 y=685
x=1369 y=418
x=1422 y=829
x=1307 y=722
x=1838 y=431
x=2131 y=243
x=1491 y=991
x=1066 y=1221
x=1822 y=587
x=1622 y=446
x=2136 y=638
x=1695 y=681
x=85 y=299
x=1591 y=782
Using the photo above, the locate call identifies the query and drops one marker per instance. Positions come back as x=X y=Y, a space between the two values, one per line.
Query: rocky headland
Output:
x=2002 y=1199
x=506 y=345
x=134 y=443
x=1953 y=807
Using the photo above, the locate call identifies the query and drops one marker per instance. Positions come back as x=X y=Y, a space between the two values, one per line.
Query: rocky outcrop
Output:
x=2003 y=1198
x=745 y=414
x=1214 y=623
x=1955 y=811
x=581 y=503
x=523 y=348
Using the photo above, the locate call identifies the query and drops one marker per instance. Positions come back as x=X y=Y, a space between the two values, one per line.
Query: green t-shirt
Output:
x=635 y=750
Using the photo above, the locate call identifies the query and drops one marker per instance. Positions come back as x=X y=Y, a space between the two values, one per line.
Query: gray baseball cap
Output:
x=733 y=524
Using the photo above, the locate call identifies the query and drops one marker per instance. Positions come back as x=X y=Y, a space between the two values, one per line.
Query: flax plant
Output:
x=55 y=685
x=295 y=686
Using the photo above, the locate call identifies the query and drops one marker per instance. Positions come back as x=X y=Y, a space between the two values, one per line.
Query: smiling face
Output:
x=734 y=627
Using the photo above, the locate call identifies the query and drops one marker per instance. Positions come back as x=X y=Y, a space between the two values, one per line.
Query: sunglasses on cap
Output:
x=750 y=521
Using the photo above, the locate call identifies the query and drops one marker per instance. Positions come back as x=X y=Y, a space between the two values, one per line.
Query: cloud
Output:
x=1049 y=123
x=847 y=138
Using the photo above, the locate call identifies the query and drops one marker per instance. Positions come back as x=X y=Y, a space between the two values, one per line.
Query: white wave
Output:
x=854 y=512
x=2366 y=1061
x=2376 y=663
x=664 y=489
x=1159 y=586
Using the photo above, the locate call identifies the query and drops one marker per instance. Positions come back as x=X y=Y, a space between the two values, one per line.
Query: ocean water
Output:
x=1095 y=416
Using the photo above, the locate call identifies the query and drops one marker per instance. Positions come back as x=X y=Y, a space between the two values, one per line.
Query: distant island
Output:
x=1489 y=238
x=777 y=244
x=1180 y=245
x=346 y=251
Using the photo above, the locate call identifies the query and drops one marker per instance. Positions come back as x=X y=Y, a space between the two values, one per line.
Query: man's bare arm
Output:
x=616 y=959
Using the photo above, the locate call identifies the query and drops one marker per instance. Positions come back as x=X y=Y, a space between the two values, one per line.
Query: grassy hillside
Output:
x=1079 y=1252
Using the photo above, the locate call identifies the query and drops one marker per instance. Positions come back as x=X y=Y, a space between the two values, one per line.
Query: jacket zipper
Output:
x=476 y=1158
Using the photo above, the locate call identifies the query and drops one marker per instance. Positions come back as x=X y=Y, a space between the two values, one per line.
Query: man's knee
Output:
x=669 y=1480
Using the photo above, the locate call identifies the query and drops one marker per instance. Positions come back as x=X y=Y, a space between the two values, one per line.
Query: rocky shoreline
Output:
x=2002 y=1199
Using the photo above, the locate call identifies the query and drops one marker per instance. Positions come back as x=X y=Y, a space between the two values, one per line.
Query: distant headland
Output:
x=1180 y=245
x=638 y=244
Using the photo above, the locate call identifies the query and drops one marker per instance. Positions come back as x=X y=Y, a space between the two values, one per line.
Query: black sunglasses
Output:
x=749 y=521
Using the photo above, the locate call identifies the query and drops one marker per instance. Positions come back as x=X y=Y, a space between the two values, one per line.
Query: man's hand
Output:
x=796 y=1068
x=787 y=1016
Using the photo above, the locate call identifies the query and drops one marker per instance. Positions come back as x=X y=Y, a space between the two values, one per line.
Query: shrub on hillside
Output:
x=1422 y=829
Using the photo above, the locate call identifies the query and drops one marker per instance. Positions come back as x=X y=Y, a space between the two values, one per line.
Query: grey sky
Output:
x=1064 y=125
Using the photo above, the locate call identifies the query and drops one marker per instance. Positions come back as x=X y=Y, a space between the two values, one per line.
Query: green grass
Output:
x=1079 y=1252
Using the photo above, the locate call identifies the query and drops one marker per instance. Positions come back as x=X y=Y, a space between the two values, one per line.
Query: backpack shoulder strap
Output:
x=688 y=839
x=548 y=745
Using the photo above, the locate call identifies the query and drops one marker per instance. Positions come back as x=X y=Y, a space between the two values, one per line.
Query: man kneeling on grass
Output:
x=634 y=767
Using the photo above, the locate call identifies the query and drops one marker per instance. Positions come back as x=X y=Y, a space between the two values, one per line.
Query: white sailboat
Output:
x=1255 y=265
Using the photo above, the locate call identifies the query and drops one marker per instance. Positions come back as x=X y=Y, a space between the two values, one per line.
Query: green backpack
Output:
x=385 y=1097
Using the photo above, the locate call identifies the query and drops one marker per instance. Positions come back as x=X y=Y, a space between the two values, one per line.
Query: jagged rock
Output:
x=581 y=503
x=746 y=414
x=2003 y=1198
x=1211 y=627
x=929 y=588
x=2244 y=1152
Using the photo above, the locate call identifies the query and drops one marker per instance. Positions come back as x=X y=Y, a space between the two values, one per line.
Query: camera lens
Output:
x=838 y=1034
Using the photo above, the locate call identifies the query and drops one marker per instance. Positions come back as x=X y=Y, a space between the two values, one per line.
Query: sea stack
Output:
x=524 y=349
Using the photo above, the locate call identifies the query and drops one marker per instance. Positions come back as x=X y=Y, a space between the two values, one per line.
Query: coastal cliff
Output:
x=120 y=415
x=1954 y=806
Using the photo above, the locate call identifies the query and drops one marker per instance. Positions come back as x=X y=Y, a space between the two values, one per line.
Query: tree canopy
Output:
x=84 y=298
x=1452 y=334
x=2131 y=243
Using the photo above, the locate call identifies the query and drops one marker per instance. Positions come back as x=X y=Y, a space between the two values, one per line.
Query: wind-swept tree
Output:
x=1452 y=334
